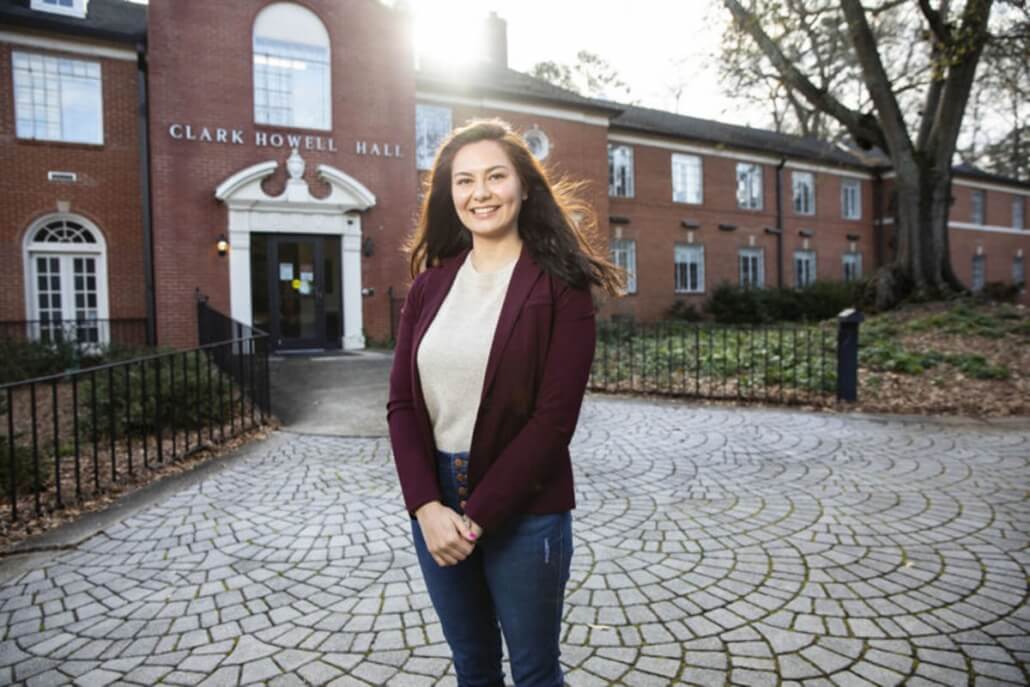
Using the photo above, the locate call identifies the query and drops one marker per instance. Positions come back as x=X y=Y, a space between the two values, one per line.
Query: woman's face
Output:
x=486 y=190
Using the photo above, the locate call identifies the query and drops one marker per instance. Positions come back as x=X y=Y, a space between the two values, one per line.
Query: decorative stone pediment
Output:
x=243 y=190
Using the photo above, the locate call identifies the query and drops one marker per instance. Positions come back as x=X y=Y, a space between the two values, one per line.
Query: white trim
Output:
x=961 y=181
x=700 y=149
x=296 y=211
x=78 y=8
x=97 y=250
x=991 y=187
x=67 y=46
x=989 y=228
x=513 y=106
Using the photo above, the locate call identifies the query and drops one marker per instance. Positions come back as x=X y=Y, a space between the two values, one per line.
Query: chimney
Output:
x=496 y=41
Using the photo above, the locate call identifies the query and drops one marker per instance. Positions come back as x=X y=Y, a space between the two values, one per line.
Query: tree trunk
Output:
x=921 y=267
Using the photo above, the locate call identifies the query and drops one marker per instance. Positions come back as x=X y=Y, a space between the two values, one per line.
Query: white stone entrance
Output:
x=296 y=211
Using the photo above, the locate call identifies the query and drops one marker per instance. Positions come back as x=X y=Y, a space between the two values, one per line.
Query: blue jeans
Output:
x=516 y=575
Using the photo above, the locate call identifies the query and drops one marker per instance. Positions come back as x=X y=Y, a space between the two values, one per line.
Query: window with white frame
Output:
x=1018 y=208
x=749 y=185
x=804 y=268
x=57 y=98
x=851 y=199
x=852 y=266
x=690 y=268
x=804 y=193
x=432 y=124
x=752 y=268
x=624 y=254
x=73 y=8
x=686 y=178
x=66 y=264
x=291 y=68
x=977 y=206
x=1018 y=275
x=620 y=171
x=979 y=272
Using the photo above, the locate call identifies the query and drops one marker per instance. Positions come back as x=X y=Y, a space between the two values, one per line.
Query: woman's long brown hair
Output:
x=555 y=223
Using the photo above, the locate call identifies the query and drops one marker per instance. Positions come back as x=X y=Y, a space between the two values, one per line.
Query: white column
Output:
x=239 y=266
x=350 y=246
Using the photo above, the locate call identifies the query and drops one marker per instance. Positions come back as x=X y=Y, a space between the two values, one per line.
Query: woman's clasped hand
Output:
x=449 y=537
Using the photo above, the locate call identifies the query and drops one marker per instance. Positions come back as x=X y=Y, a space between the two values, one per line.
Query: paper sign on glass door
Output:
x=285 y=271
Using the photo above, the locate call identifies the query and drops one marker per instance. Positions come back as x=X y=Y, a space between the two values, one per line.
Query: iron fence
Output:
x=76 y=434
x=784 y=364
x=87 y=335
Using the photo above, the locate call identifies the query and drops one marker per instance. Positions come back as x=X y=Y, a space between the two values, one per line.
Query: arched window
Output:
x=291 y=68
x=66 y=285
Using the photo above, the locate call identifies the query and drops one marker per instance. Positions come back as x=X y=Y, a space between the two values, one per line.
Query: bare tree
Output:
x=920 y=141
x=591 y=76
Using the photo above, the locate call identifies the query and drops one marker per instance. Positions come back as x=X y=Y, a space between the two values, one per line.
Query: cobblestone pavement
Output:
x=713 y=547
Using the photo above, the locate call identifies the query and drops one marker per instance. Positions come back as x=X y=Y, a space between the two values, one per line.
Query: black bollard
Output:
x=847 y=354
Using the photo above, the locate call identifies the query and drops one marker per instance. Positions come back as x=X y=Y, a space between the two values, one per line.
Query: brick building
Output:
x=135 y=138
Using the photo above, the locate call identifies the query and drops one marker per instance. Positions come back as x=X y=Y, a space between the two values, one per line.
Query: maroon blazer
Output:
x=536 y=375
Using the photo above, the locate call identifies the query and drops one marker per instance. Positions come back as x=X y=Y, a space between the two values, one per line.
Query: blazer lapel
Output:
x=448 y=271
x=523 y=277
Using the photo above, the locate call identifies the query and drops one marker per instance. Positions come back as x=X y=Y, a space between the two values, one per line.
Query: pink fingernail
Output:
x=472 y=536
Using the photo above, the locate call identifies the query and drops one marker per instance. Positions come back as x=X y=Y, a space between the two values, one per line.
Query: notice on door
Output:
x=307 y=273
x=285 y=271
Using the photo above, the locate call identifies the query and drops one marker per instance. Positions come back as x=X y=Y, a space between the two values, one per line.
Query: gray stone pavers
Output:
x=713 y=546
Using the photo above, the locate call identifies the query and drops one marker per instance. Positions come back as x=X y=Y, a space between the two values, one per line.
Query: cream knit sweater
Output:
x=453 y=353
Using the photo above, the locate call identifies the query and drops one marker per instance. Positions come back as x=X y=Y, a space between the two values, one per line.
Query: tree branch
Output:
x=877 y=82
x=937 y=25
x=862 y=128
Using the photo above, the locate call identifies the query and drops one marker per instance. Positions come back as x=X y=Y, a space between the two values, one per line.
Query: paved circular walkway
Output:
x=713 y=547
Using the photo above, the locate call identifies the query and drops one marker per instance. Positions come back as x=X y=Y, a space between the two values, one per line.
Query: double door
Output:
x=297 y=292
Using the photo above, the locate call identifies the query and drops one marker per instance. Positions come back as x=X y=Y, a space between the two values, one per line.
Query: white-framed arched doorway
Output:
x=296 y=213
x=66 y=286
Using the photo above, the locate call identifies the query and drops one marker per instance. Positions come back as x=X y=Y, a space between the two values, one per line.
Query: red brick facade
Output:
x=200 y=70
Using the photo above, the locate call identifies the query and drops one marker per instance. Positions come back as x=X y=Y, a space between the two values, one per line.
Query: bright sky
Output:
x=655 y=45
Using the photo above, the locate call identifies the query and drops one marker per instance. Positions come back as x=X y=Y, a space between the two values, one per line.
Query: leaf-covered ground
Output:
x=957 y=358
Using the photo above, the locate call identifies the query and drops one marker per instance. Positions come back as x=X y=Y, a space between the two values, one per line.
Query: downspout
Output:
x=779 y=222
x=143 y=120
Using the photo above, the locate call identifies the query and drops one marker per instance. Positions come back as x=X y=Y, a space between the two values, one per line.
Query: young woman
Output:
x=493 y=353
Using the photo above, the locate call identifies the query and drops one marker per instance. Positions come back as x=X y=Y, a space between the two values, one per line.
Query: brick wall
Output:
x=202 y=74
x=107 y=191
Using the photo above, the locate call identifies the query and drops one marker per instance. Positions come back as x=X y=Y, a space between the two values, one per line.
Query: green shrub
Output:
x=977 y=367
x=189 y=400
x=23 y=470
x=679 y=310
x=821 y=300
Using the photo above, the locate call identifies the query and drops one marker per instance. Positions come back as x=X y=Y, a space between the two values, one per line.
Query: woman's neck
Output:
x=490 y=256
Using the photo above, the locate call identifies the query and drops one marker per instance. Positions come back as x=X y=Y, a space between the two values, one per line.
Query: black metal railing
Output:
x=782 y=364
x=76 y=434
x=86 y=334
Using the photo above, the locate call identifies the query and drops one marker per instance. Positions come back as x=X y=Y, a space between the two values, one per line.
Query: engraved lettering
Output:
x=221 y=135
x=359 y=147
x=260 y=138
x=276 y=140
x=237 y=136
x=205 y=135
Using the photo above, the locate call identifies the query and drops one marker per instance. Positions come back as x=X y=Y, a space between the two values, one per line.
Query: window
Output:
x=978 y=202
x=686 y=178
x=624 y=254
x=432 y=124
x=690 y=269
x=851 y=199
x=538 y=143
x=65 y=259
x=57 y=98
x=749 y=185
x=1018 y=219
x=1018 y=275
x=852 y=266
x=752 y=268
x=804 y=193
x=979 y=272
x=804 y=268
x=620 y=171
x=291 y=68
x=74 y=8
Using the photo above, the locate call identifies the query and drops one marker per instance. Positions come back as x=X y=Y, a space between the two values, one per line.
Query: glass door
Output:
x=297 y=307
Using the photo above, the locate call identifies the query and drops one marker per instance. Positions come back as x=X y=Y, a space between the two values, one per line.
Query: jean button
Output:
x=458 y=462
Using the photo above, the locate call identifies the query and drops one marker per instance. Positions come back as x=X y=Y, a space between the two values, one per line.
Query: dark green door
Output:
x=297 y=292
